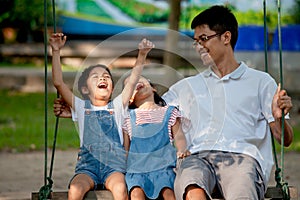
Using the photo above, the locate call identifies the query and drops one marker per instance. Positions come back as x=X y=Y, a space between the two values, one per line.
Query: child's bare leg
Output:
x=80 y=185
x=168 y=194
x=116 y=184
x=137 y=193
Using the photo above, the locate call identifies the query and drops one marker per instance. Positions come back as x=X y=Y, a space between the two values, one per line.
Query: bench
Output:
x=91 y=195
x=272 y=193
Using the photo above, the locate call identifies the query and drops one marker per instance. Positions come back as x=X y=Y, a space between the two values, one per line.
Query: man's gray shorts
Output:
x=233 y=175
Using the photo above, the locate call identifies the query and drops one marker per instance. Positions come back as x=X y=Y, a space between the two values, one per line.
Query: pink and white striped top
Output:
x=157 y=115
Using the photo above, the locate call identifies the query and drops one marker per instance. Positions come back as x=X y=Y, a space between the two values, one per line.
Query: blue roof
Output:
x=290 y=38
x=251 y=38
x=72 y=25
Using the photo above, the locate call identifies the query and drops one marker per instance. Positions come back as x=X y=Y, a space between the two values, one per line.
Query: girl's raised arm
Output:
x=57 y=41
x=144 y=47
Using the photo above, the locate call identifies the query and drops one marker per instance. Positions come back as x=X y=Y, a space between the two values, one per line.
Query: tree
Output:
x=25 y=15
x=172 y=35
x=296 y=12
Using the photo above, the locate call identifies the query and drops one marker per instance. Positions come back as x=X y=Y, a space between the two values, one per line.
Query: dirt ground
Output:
x=23 y=173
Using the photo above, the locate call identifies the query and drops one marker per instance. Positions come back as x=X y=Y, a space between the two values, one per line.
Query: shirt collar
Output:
x=236 y=74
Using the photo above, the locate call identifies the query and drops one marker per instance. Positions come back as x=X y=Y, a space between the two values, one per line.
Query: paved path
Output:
x=22 y=173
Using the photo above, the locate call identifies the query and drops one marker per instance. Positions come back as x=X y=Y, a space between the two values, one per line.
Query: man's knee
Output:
x=194 y=192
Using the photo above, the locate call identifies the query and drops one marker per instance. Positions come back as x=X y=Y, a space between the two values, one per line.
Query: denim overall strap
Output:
x=150 y=147
x=87 y=104
x=110 y=105
x=101 y=138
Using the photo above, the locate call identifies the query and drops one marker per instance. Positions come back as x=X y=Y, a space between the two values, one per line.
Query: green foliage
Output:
x=141 y=12
x=149 y=13
x=188 y=14
x=249 y=17
x=29 y=14
x=26 y=17
x=295 y=12
x=25 y=13
x=22 y=123
x=90 y=7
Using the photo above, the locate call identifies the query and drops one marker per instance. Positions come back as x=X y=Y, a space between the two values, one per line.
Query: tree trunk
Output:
x=172 y=35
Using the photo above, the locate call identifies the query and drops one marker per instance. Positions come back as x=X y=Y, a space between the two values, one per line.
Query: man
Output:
x=232 y=110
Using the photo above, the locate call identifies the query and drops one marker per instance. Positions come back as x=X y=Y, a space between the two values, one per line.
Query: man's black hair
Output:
x=219 y=19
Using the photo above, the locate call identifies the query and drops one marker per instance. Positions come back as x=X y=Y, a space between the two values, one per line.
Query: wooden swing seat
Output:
x=272 y=193
x=91 y=195
x=276 y=193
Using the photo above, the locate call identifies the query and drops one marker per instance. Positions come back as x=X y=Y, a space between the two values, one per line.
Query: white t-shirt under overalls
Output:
x=78 y=114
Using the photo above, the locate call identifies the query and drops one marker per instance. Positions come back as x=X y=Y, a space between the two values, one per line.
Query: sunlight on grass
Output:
x=22 y=123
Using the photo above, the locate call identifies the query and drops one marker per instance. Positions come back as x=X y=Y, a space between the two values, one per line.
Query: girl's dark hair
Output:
x=157 y=99
x=219 y=19
x=85 y=75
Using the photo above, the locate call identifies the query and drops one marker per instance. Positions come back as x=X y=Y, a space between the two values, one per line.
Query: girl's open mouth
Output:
x=102 y=85
x=139 y=86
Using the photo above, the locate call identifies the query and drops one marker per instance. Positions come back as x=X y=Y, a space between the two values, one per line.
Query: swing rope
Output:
x=45 y=191
x=57 y=95
x=278 y=171
x=284 y=185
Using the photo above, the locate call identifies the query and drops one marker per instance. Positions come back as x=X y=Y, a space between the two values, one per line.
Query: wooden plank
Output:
x=272 y=193
x=276 y=193
x=99 y=194
x=91 y=195
x=59 y=195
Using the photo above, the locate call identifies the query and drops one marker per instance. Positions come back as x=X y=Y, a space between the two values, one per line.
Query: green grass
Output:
x=295 y=146
x=22 y=123
x=296 y=143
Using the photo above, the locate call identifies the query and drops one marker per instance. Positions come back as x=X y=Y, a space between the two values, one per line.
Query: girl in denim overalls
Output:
x=101 y=160
x=149 y=133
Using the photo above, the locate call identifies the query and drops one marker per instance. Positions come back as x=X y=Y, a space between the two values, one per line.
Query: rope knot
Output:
x=45 y=191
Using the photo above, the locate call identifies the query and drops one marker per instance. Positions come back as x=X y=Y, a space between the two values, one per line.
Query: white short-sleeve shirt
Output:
x=229 y=113
x=78 y=114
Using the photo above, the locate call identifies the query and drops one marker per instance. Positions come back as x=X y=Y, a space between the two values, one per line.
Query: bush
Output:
x=142 y=12
x=27 y=16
